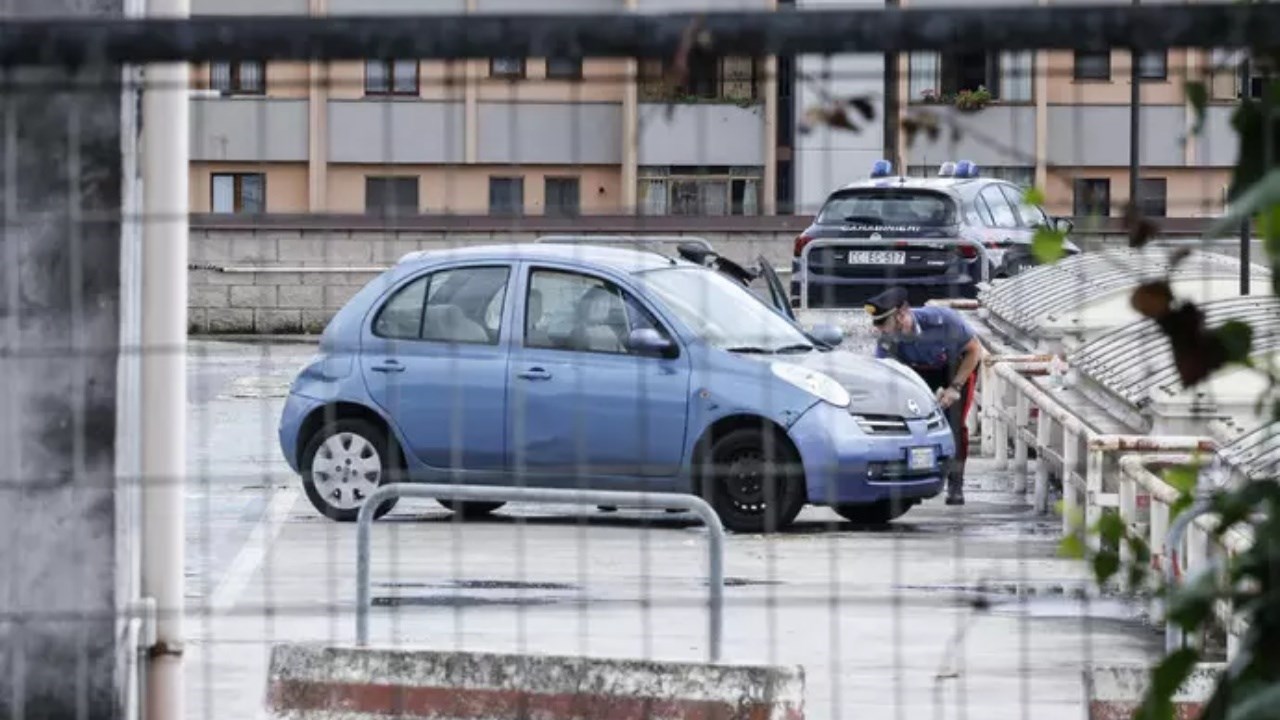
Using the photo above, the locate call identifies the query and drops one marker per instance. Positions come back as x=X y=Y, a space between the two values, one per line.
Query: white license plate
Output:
x=920 y=458
x=877 y=257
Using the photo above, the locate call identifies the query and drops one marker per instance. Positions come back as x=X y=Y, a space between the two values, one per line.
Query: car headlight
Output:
x=821 y=385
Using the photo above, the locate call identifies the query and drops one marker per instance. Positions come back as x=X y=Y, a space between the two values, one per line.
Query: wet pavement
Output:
x=948 y=613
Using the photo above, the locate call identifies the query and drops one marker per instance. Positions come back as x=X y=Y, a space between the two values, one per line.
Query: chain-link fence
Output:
x=606 y=282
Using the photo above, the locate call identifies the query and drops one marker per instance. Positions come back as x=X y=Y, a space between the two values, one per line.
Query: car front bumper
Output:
x=845 y=465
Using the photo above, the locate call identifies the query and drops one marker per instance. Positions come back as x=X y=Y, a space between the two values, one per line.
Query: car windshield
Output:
x=889 y=206
x=722 y=312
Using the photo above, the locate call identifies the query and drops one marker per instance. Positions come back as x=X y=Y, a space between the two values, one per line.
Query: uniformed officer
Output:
x=940 y=346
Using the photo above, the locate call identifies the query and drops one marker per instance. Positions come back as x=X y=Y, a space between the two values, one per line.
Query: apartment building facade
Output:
x=569 y=136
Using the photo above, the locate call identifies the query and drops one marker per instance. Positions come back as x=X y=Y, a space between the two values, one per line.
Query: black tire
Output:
x=752 y=478
x=470 y=509
x=876 y=513
x=317 y=482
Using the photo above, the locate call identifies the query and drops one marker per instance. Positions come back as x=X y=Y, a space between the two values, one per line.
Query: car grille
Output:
x=894 y=424
x=896 y=471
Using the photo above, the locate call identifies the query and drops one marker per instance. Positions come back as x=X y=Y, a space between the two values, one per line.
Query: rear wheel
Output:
x=876 y=513
x=344 y=463
x=470 y=508
x=753 y=481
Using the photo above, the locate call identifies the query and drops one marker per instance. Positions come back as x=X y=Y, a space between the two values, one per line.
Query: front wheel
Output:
x=877 y=513
x=343 y=464
x=753 y=481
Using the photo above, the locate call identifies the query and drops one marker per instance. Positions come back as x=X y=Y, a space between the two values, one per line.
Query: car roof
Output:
x=621 y=259
x=950 y=185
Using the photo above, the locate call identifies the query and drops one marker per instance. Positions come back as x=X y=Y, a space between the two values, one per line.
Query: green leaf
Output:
x=1269 y=227
x=1182 y=478
x=1105 y=565
x=1236 y=338
x=1198 y=98
x=1111 y=529
x=1258 y=706
x=1033 y=196
x=1071 y=547
x=1259 y=196
x=1139 y=550
x=1047 y=245
x=1191 y=604
x=1166 y=678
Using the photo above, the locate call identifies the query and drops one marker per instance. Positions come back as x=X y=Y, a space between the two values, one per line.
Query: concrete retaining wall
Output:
x=311 y=681
x=269 y=279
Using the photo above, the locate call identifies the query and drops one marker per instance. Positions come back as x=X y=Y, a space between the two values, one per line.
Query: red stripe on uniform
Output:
x=460 y=703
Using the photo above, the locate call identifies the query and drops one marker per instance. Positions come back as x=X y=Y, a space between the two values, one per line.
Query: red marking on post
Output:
x=1144 y=501
x=463 y=703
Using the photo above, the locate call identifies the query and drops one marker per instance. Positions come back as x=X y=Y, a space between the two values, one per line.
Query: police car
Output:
x=929 y=235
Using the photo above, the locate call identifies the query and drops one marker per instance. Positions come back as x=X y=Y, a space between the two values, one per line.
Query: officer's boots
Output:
x=955 y=488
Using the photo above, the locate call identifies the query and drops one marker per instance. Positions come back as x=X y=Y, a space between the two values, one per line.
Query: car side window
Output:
x=462 y=305
x=572 y=311
x=401 y=316
x=1001 y=210
x=1031 y=215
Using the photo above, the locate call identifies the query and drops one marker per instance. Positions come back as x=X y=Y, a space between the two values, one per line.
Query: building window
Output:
x=939 y=77
x=564 y=68
x=717 y=79
x=1153 y=65
x=1092 y=65
x=511 y=68
x=506 y=196
x=244 y=77
x=239 y=193
x=1153 y=197
x=562 y=196
x=1091 y=197
x=391 y=195
x=391 y=77
x=706 y=191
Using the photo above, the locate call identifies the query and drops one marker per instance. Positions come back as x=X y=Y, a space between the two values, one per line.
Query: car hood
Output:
x=876 y=386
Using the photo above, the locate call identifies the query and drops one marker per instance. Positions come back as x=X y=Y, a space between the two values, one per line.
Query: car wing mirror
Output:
x=827 y=334
x=1063 y=225
x=647 y=341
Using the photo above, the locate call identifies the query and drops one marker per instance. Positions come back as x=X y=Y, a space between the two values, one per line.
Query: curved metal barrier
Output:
x=478 y=493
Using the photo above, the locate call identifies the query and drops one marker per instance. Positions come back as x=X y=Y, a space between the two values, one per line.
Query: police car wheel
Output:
x=754 y=481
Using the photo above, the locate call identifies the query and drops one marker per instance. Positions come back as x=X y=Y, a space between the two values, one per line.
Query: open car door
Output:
x=777 y=291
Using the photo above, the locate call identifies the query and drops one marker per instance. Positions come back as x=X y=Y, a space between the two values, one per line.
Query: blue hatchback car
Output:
x=551 y=365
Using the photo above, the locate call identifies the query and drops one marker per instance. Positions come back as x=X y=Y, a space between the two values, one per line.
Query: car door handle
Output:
x=535 y=373
x=390 y=366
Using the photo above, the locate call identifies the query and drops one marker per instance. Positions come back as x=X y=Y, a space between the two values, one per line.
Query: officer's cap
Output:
x=881 y=306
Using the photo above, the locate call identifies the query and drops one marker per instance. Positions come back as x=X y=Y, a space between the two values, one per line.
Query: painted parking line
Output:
x=255 y=548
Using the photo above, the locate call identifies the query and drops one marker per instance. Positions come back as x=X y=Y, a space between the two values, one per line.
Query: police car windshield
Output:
x=722 y=312
x=889 y=206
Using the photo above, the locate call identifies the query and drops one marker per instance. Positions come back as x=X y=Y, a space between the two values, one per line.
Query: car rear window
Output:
x=889 y=206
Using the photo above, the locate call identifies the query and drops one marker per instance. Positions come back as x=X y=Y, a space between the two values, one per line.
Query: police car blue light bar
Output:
x=882 y=168
x=966 y=169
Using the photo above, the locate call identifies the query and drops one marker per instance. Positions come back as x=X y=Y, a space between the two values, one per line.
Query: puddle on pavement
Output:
x=462 y=601
x=479 y=585
x=1050 y=600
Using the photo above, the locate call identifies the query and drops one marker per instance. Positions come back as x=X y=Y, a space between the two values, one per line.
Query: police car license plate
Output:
x=877 y=257
x=920 y=458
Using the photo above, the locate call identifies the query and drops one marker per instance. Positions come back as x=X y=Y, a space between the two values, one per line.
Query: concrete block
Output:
x=335 y=296
x=315 y=321
x=300 y=296
x=208 y=296
x=324 y=278
x=277 y=278
x=277 y=321
x=308 y=250
x=339 y=252
x=388 y=252
x=253 y=249
x=230 y=321
x=213 y=250
x=1114 y=692
x=213 y=277
x=315 y=681
x=197 y=321
x=253 y=296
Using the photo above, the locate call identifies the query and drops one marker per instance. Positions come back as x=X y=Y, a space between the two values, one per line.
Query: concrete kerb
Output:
x=1114 y=692
x=318 y=681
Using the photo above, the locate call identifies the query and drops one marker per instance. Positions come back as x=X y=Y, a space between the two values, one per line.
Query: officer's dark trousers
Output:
x=957 y=415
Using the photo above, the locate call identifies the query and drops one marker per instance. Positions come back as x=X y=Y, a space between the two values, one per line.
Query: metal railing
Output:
x=477 y=493
x=983 y=256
